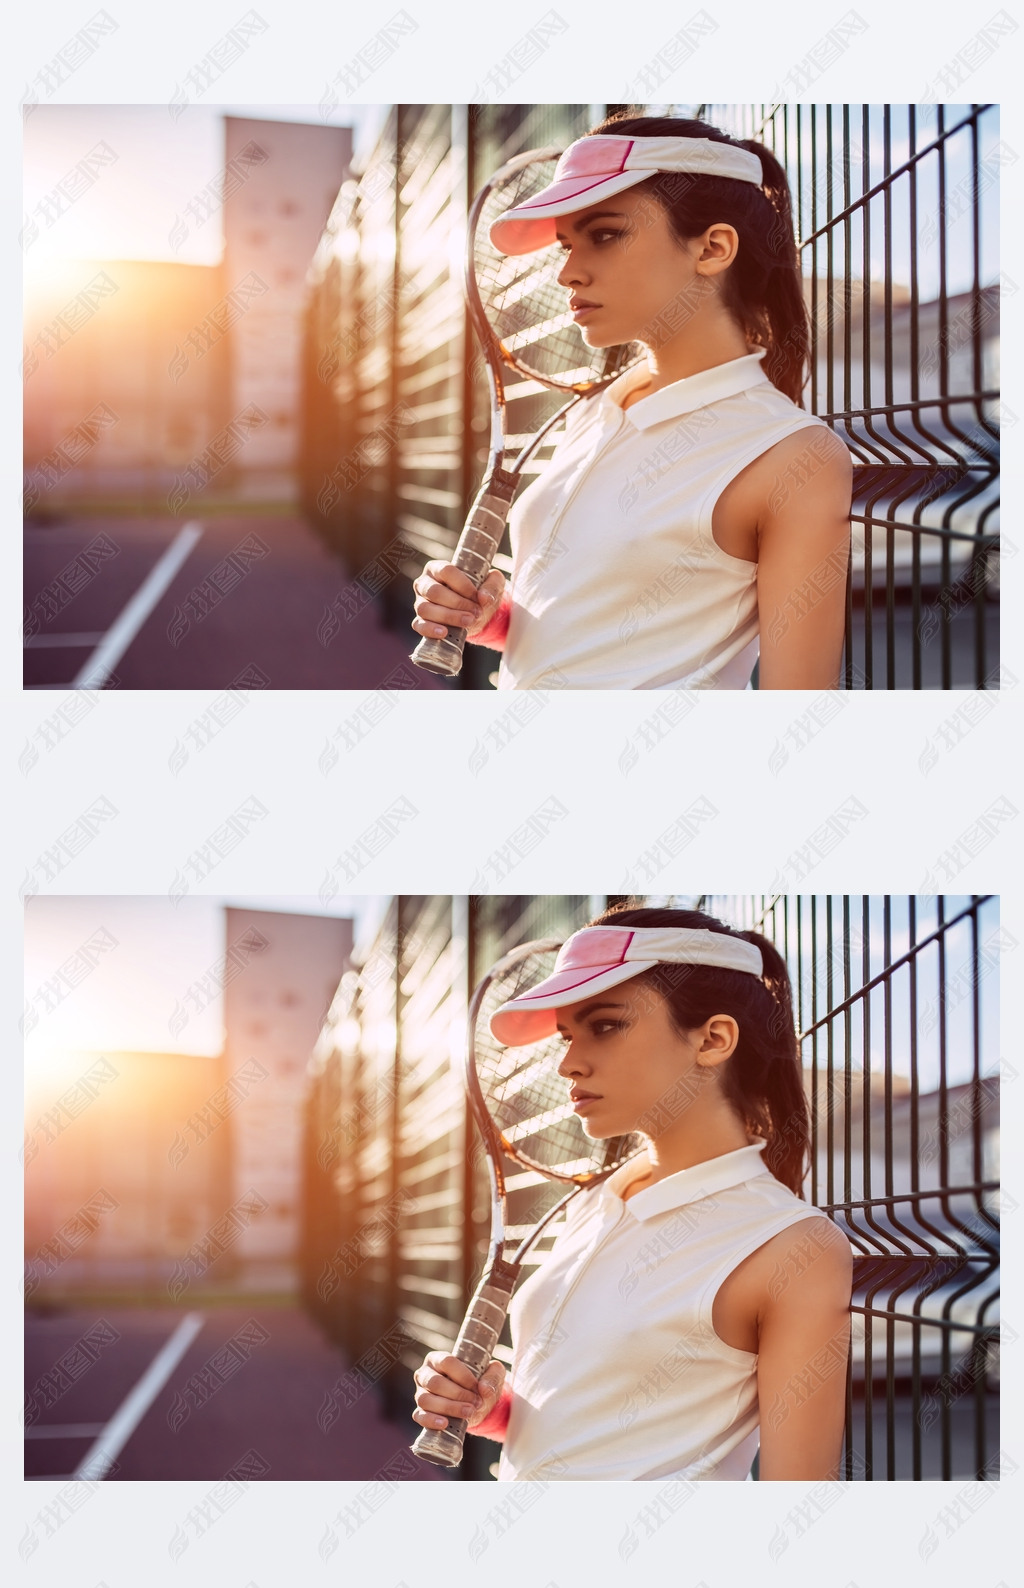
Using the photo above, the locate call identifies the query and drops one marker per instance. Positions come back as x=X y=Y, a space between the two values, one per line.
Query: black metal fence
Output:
x=898 y=227
x=897 y=1009
x=897 y=210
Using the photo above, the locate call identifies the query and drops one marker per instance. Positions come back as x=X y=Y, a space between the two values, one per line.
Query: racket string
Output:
x=526 y=305
x=528 y=1099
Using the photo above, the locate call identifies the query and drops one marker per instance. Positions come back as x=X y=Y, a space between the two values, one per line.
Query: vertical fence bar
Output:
x=848 y=360
x=979 y=1354
x=830 y=289
x=812 y=112
x=890 y=1375
x=943 y=1129
x=977 y=380
x=945 y=608
x=865 y=1094
x=915 y=1177
x=890 y=398
x=915 y=396
x=869 y=603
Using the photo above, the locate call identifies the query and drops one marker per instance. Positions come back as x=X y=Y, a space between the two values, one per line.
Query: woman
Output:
x=692 y=1302
x=693 y=516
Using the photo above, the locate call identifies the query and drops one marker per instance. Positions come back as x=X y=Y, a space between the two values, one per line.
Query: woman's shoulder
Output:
x=807 y=461
x=812 y=1243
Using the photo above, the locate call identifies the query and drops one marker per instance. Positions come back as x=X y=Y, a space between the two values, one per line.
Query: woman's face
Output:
x=626 y=1066
x=643 y=283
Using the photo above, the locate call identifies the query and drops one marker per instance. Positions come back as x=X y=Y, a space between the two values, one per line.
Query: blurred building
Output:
x=142 y=377
x=161 y=1173
x=272 y=1019
x=272 y=224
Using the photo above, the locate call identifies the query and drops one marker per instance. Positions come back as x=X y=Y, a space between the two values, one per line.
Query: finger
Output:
x=446 y=573
x=451 y=1368
x=430 y=631
x=431 y=1381
x=440 y=1405
x=446 y=612
x=442 y=594
x=493 y=588
x=492 y=1378
x=429 y=1420
x=441 y=1387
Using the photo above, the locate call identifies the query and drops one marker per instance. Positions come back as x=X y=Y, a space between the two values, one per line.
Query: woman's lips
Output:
x=584 y=310
x=581 y=1103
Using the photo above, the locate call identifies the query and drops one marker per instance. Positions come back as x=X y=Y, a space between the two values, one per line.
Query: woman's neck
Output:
x=692 y=1142
x=659 y=1167
x=709 y=339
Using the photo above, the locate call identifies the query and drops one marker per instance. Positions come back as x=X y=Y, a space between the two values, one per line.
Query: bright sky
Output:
x=128 y=211
x=159 y=949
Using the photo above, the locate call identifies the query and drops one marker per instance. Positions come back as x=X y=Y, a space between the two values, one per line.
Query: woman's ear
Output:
x=717 y=1040
x=718 y=248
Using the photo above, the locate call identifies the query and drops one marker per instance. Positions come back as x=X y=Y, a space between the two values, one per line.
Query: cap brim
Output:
x=531 y=226
x=533 y=1016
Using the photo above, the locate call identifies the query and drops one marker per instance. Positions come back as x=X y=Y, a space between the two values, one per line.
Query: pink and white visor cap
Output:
x=600 y=957
x=599 y=166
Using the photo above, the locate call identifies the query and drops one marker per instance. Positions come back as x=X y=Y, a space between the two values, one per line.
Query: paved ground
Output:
x=264 y=1379
x=258 y=597
x=237 y=592
x=253 y=1378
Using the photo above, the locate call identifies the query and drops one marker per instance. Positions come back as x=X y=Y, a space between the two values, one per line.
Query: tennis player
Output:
x=693 y=1305
x=694 y=517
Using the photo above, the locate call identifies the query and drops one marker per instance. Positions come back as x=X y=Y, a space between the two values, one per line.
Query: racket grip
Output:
x=474 y=556
x=475 y=1346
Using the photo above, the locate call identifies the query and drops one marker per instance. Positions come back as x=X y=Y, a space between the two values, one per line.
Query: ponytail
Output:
x=763 y=287
x=763 y=1078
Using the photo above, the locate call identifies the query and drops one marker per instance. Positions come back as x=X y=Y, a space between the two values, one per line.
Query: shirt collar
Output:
x=683 y=396
x=688 y=1185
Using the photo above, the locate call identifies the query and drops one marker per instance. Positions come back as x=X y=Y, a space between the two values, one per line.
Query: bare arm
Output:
x=803 y=1346
x=803 y=550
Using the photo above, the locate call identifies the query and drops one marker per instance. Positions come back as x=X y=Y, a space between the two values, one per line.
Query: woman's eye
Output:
x=599 y=236
x=601 y=1028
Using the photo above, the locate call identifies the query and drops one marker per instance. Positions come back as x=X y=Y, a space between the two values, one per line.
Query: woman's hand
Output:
x=447 y=1388
x=447 y=598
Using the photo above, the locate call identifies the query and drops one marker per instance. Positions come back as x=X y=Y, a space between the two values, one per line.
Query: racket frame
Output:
x=485 y=524
x=485 y=1315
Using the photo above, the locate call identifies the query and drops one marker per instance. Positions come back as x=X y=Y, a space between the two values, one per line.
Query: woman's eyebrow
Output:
x=598 y=215
x=588 y=1009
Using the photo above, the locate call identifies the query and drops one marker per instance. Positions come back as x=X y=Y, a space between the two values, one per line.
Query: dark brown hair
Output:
x=763 y=1078
x=762 y=287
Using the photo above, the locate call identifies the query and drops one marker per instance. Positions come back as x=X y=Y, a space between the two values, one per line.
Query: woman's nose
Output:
x=568 y=1065
x=570 y=274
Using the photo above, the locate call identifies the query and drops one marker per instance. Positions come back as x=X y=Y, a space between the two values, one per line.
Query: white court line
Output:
x=100 y=1457
x=128 y=622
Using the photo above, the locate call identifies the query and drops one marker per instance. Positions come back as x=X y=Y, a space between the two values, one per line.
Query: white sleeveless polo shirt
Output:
x=617 y=581
x=617 y=1372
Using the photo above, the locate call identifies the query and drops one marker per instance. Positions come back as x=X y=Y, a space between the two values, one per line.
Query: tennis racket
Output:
x=522 y=320
x=521 y=1106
